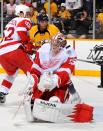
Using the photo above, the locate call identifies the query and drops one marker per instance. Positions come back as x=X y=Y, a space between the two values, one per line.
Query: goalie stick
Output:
x=25 y=95
x=19 y=106
x=92 y=62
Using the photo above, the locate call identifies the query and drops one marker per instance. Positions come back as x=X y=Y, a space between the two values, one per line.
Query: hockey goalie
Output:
x=53 y=97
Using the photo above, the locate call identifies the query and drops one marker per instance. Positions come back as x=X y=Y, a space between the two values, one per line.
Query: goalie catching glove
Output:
x=29 y=48
x=48 y=82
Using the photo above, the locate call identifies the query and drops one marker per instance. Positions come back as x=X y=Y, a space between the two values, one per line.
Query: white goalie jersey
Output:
x=62 y=63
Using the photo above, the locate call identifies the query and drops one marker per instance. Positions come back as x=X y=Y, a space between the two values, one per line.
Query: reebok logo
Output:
x=48 y=104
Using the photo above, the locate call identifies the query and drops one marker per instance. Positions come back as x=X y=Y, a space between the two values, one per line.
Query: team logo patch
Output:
x=28 y=24
x=96 y=54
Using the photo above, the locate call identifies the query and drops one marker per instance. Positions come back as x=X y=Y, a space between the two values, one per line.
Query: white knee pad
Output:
x=54 y=99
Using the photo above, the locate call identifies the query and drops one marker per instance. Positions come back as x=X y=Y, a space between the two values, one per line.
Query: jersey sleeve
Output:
x=67 y=69
x=22 y=29
x=32 y=33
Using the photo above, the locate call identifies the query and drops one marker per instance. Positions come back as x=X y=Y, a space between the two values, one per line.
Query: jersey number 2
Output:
x=10 y=31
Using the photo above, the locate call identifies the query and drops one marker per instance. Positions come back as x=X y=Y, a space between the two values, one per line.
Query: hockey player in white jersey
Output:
x=53 y=65
x=14 y=48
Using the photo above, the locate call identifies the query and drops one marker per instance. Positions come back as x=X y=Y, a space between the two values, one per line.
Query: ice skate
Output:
x=2 y=97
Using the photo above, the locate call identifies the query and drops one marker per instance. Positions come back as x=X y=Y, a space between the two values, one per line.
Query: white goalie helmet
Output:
x=59 y=40
x=21 y=8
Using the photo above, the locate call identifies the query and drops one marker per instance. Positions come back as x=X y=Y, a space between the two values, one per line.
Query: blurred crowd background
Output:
x=73 y=17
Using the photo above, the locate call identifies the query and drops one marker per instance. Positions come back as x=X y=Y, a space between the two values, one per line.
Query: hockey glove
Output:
x=48 y=82
x=30 y=48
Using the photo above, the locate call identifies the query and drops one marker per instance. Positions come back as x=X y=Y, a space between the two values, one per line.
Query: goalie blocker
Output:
x=61 y=113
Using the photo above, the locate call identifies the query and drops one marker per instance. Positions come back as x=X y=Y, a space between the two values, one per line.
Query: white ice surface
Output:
x=88 y=90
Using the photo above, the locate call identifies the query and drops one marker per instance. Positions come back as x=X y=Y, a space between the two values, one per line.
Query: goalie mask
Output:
x=22 y=9
x=59 y=40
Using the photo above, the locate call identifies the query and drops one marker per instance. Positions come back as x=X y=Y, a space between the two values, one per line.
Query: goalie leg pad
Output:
x=52 y=111
x=58 y=112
